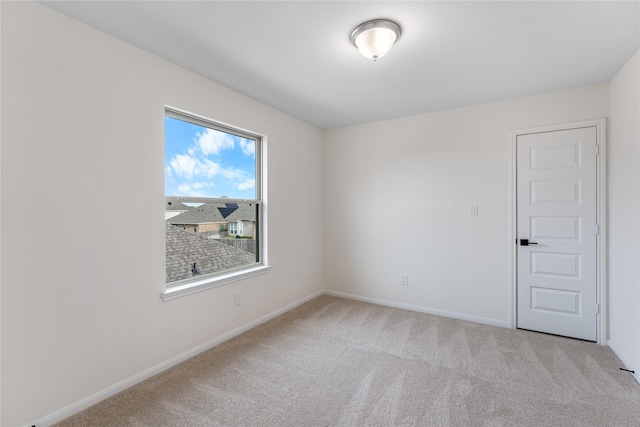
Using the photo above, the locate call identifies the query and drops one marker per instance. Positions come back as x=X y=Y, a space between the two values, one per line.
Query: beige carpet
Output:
x=336 y=362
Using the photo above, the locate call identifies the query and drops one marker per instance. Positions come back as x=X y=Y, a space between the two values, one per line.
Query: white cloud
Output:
x=183 y=165
x=213 y=141
x=187 y=166
x=248 y=147
x=199 y=185
x=208 y=168
x=233 y=174
x=247 y=184
x=203 y=165
x=191 y=190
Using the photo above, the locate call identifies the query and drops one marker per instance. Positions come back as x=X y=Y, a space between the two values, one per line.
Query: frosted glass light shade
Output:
x=375 y=38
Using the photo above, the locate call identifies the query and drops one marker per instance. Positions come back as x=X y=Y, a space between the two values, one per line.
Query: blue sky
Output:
x=202 y=162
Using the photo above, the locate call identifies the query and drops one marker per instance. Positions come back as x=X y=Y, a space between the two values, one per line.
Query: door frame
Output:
x=601 y=218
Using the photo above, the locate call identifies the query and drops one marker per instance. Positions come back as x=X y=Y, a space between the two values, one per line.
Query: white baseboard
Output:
x=129 y=382
x=627 y=364
x=420 y=309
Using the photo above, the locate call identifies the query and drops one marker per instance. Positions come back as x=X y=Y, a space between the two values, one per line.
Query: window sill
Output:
x=212 y=282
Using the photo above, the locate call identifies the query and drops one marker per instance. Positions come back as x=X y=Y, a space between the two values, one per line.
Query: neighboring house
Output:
x=218 y=219
x=242 y=221
x=172 y=209
x=188 y=255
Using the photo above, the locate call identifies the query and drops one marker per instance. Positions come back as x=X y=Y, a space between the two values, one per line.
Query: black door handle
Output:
x=526 y=242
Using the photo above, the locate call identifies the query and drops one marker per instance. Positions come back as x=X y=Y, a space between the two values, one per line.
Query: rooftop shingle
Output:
x=183 y=249
x=213 y=212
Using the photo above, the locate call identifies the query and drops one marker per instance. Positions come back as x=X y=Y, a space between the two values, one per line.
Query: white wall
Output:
x=82 y=132
x=397 y=194
x=0 y=221
x=624 y=214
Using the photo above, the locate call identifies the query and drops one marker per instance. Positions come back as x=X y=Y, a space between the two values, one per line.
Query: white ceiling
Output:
x=297 y=56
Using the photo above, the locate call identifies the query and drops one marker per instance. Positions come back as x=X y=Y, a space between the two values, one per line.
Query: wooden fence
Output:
x=248 y=245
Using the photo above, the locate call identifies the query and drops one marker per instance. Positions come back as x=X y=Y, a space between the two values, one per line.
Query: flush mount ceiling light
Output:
x=375 y=38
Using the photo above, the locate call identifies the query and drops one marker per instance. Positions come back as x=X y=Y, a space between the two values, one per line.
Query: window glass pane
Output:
x=200 y=241
x=205 y=162
x=212 y=190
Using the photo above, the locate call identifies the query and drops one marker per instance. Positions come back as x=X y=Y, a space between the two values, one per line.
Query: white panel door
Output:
x=556 y=214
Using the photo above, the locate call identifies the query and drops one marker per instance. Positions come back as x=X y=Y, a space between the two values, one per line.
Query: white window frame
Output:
x=200 y=283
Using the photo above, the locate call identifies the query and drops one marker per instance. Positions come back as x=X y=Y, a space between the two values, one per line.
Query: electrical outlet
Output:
x=238 y=299
x=404 y=281
x=473 y=210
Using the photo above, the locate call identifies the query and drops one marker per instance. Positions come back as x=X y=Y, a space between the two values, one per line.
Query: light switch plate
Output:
x=473 y=210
